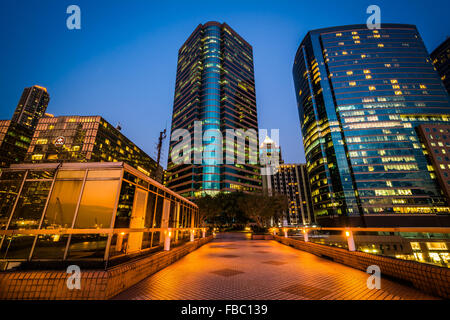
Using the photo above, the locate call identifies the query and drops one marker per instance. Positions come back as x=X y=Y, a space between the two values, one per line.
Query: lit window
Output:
x=415 y=245
x=371 y=88
x=436 y=246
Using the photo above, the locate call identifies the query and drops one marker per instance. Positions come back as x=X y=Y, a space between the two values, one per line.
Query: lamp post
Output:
x=168 y=234
x=350 y=240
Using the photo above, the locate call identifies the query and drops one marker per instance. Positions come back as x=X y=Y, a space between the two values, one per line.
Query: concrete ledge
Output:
x=431 y=279
x=95 y=284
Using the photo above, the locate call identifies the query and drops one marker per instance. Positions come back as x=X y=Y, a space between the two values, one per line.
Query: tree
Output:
x=208 y=208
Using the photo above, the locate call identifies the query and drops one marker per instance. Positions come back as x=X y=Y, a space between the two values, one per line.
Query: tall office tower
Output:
x=31 y=107
x=215 y=87
x=441 y=60
x=16 y=133
x=292 y=181
x=361 y=93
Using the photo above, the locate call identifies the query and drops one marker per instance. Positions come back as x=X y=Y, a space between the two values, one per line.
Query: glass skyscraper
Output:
x=215 y=86
x=361 y=95
x=15 y=135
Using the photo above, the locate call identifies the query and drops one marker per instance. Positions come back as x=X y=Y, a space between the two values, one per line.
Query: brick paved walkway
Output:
x=233 y=267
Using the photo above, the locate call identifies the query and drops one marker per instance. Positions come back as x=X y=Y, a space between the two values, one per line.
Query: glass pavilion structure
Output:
x=86 y=212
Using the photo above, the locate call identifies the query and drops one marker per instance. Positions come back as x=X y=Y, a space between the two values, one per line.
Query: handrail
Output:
x=375 y=229
x=61 y=231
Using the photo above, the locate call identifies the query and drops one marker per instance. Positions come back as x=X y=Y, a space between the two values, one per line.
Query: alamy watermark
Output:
x=74 y=20
x=74 y=279
x=374 y=280
x=374 y=20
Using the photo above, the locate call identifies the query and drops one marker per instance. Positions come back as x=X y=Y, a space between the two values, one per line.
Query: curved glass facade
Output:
x=215 y=86
x=210 y=103
x=361 y=93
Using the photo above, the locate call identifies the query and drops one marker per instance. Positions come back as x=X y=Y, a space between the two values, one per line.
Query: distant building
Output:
x=435 y=140
x=292 y=181
x=31 y=107
x=87 y=139
x=441 y=61
x=15 y=134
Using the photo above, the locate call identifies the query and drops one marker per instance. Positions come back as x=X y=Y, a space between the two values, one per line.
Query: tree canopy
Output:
x=240 y=208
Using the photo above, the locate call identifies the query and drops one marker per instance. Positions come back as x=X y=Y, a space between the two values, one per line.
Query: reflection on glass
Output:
x=71 y=174
x=16 y=247
x=119 y=243
x=42 y=174
x=158 y=213
x=8 y=195
x=104 y=174
x=97 y=204
x=50 y=246
x=151 y=199
x=87 y=246
x=62 y=204
x=30 y=206
x=125 y=205
x=147 y=240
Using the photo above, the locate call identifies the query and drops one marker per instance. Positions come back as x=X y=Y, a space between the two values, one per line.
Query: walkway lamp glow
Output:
x=168 y=234
x=350 y=240
x=305 y=235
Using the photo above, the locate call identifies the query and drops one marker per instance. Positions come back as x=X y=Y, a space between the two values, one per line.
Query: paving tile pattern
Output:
x=281 y=273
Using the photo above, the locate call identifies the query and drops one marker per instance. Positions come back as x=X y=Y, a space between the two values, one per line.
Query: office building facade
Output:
x=87 y=139
x=361 y=93
x=292 y=181
x=441 y=61
x=215 y=86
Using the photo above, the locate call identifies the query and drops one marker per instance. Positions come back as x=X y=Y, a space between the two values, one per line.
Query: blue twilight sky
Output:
x=122 y=63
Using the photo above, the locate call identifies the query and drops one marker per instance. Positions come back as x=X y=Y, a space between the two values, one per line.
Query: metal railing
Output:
x=349 y=234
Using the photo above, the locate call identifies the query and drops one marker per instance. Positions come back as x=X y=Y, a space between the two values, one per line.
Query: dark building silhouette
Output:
x=15 y=134
x=441 y=61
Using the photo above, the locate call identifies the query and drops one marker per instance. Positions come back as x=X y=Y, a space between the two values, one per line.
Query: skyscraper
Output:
x=441 y=61
x=31 y=107
x=361 y=93
x=292 y=181
x=215 y=87
x=15 y=136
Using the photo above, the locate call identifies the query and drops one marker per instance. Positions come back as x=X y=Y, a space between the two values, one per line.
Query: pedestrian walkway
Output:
x=234 y=267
